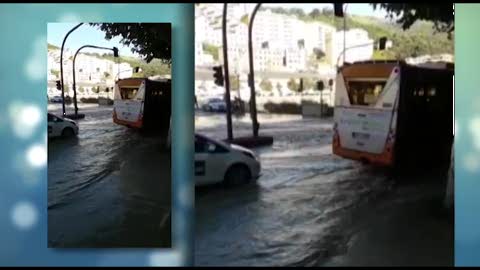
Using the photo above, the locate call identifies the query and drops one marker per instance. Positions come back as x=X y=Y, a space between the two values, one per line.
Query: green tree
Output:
x=211 y=49
x=106 y=74
x=96 y=89
x=315 y=13
x=151 y=40
x=409 y=13
x=266 y=85
x=81 y=89
x=293 y=85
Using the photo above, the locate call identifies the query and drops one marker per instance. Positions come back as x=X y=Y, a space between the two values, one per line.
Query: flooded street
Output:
x=110 y=187
x=311 y=208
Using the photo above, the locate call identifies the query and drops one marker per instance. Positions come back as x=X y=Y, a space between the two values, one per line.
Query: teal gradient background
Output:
x=23 y=182
x=467 y=135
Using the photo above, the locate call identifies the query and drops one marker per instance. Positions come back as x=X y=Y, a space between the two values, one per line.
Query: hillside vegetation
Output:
x=420 y=39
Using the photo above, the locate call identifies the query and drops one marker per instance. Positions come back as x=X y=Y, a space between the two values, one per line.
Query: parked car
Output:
x=215 y=105
x=219 y=162
x=61 y=127
x=56 y=99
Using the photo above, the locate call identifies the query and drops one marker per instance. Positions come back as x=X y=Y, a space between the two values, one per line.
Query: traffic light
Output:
x=338 y=9
x=218 y=75
x=382 y=43
x=320 y=86
x=115 y=52
x=330 y=82
x=59 y=85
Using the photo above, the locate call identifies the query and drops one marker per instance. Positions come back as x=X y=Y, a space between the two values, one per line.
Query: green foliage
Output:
x=211 y=49
x=266 y=85
x=421 y=37
x=151 y=40
x=293 y=85
x=96 y=89
x=81 y=89
x=106 y=74
x=283 y=108
x=52 y=47
x=154 y=67
x=407 y=14
x=244 y=19
x=234 y=82
x=56 y=73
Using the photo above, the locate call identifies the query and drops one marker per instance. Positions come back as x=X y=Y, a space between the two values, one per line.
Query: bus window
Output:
x=364 y=92
x=128 y=93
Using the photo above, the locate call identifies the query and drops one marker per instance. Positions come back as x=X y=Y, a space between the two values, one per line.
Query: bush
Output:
x=89 y=100
x=283 y=108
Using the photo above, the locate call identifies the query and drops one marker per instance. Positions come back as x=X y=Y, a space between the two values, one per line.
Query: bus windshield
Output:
x=365 y=93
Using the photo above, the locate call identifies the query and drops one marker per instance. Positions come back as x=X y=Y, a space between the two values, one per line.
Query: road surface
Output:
x=311 y=208
x=110 y=187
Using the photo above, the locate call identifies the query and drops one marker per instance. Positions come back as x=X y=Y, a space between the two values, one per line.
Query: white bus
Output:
x=390 y=112
x=142 y=103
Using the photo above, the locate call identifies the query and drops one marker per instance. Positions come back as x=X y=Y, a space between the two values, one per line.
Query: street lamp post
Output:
x=227 y=75
x=61 y=65
x=251 y=77
x=76 y=115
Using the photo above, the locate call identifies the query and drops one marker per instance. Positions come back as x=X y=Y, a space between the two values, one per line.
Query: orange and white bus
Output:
x=142 y=103
x=390 y=112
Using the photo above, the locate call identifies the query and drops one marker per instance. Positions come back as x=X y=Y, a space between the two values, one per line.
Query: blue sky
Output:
x=84 y=35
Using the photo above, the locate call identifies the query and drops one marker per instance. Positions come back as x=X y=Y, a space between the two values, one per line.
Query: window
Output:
x=365 y=93
x=128 y=93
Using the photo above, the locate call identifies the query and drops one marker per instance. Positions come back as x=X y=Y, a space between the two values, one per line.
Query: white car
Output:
x=61 y=127
x=219 y=162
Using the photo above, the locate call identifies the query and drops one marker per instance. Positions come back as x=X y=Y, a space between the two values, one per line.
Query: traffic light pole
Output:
x=226 y=74
x=251 y=77
x=61 y=66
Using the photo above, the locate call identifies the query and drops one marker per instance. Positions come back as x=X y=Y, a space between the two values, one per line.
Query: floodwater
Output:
x=312 y=208
x=110 y=187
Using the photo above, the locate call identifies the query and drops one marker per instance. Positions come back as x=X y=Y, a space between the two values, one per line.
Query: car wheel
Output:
x=68 y=132
x=237 y=175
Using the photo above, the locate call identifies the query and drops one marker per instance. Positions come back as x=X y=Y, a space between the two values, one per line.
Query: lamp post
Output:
x=61 y=65
x=251 y=77
x=227 y=75
x=344 y=30
x=114 y=49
